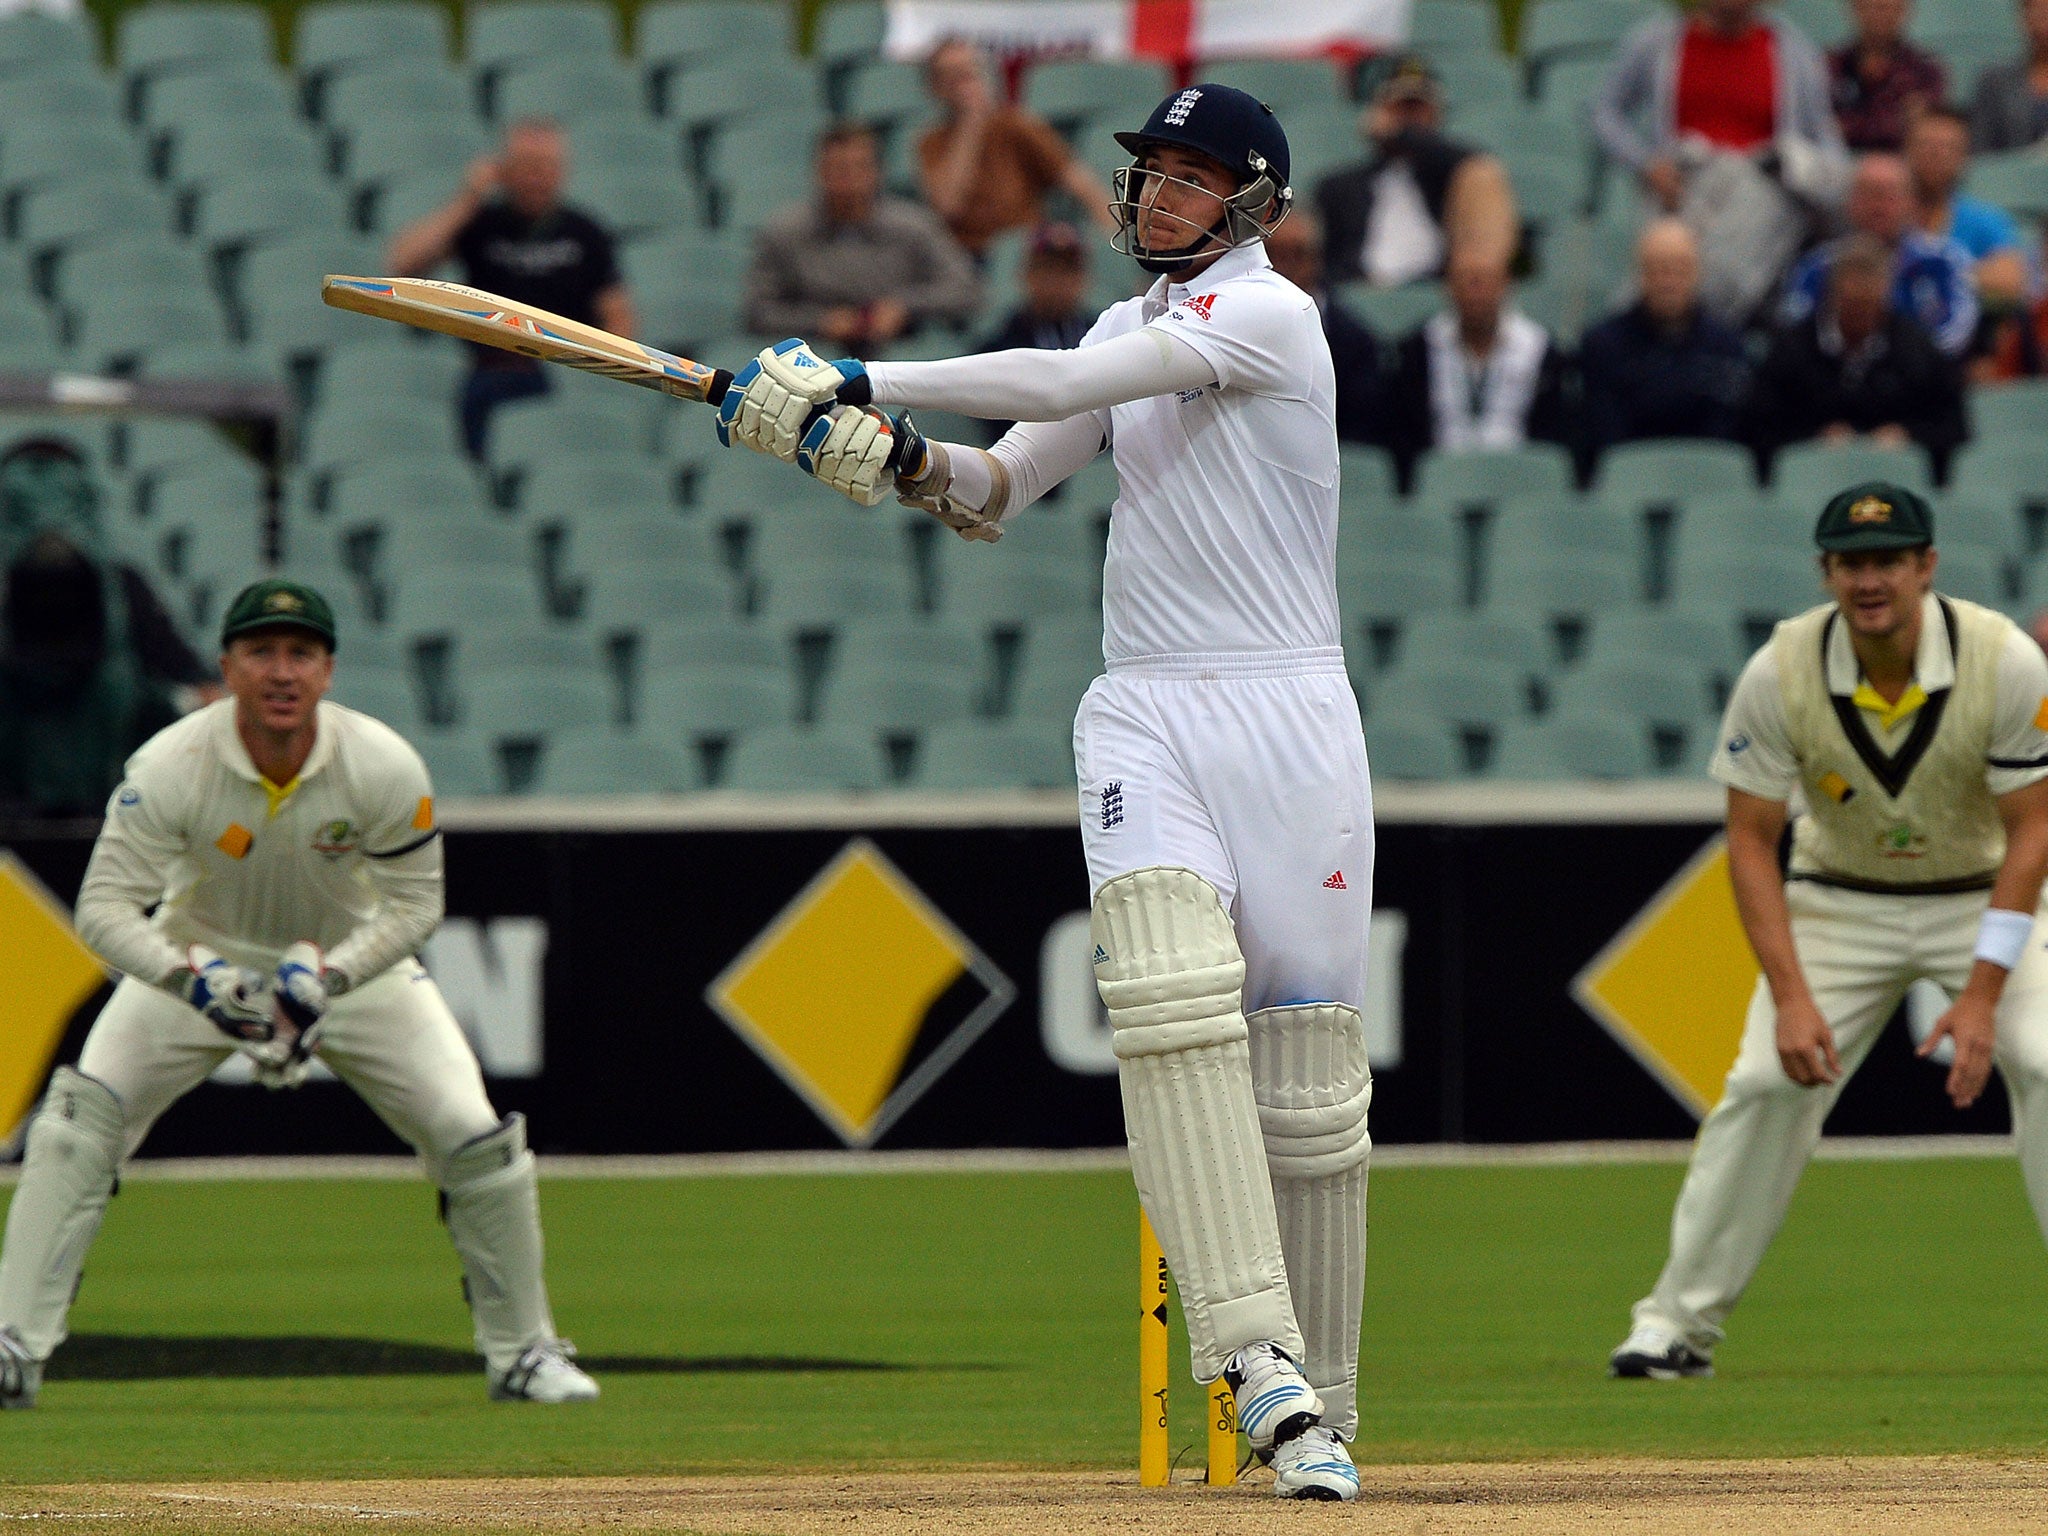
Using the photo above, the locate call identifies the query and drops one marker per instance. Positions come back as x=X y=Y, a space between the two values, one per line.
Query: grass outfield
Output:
x=1904 y=1310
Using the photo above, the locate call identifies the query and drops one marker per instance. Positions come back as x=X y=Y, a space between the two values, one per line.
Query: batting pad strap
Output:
x=1314 y=1088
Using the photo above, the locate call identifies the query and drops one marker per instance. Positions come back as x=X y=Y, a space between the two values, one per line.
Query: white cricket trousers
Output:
x=1250 y=770
x=1860 y=952
x=392 y=1039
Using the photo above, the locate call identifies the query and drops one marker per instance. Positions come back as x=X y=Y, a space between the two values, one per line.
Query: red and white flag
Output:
x=1172 y=31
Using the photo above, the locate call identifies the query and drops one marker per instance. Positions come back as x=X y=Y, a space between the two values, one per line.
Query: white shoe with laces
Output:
x=1274 y=1400
x=1314 y=1465
x=1655 y=1353
x=546 y=1373
x=21 y=1373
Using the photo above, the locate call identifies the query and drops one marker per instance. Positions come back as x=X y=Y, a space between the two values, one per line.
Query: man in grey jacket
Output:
x=2011 y=109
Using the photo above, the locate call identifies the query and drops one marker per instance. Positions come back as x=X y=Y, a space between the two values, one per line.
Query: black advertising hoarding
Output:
x=707 y=977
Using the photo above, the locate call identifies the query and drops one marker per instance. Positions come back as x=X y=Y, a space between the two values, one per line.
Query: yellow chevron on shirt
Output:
x=1888 y=714
x=277 y=794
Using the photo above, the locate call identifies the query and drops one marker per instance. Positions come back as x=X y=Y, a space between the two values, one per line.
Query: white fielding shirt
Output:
x=1222 y=541
x=1755 y=753
x=350 y=858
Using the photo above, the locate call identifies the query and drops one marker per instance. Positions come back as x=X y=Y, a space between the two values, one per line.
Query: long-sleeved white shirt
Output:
x=349 y=857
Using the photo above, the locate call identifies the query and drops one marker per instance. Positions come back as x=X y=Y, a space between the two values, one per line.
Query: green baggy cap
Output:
x=274 y=603
x=1875 y=515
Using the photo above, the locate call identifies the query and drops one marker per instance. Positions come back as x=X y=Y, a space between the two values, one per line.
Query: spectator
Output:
x=1930 y=273
x=2014 y=339
x=1054 y=314
x=987 y=166
x=1479 y=376
x=513 y=235
x=2011 y=108
x=1881 y=81
x=89 y=661
x=1296 y=251
x=1725 y=119
x=1857 y=366
x=1663 y=367
x=854 y=267
x=1394 y=217
x=1937 y=156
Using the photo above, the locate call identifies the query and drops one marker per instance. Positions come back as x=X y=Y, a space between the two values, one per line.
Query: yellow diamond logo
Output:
x=860 y=993
x=50 y=976
x=1674 y=985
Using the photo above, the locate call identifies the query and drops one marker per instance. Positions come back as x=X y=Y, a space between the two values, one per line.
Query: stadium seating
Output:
x=968 y=755
x=803 y=760
x=338 y=35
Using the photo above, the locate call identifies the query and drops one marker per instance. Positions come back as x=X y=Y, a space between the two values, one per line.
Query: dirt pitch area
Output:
x=1643 y=1498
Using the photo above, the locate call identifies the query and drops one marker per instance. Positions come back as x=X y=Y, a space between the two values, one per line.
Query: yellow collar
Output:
x=1888 y=715
x=277 y=794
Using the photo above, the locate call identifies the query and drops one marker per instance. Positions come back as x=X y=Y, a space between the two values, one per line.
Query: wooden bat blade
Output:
x=494 y=321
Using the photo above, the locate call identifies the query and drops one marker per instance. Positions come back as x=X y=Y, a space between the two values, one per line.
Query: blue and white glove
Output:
x=773 y=400
x=300 y=992
x=850 y=448
x=234 y=999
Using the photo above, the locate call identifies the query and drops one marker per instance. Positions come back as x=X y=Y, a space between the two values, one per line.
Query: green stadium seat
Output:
x=1482 y=479
x=208 y=522
x=1569 y=586
x=212 y=362
x=119 y=328
x=1392 y=312
x=596 y=491
x=394 y=369
x=61 y=216
x=1566 y=29
x=146 y=446
x=1574 y=744
x=423 y=145
x=1755 y=520
x=1322 y=138
x=1476 y=698
x=338 y=35
x=290 y=270
x=598 y=89
x=459 y=763
x=2010 y=411
x=1978 y=575
x=1670 y=472
x=668 y=33
x=626 y=145
x=1567 y=89
x=984 y=588
x=216 y=150
x=1286 y=85
x=238 y=213
x=823 y=599
x=382 y=695
x=1706 y=636
x=680 y=643
x=850 y=29
x=1762 y=586
x=38 y=42
x=1990 y=523
x=1672 y=693
x=704 y=709
x=617 y=598
x=28 y=338
x=1423 y=749
x=613 y=763
x=802 y=760
x=1516 y=644
x=884 y=647
x=389 y=206
x=1470 y=79
x=687 y=288
x=968 y=755
x=1412 y=535
x=1379 y=599
x=633 y=207
x=192 y=34
x=528 y=433
x=1365 y=474
x=136 y=266
x=251 y=95
x=900 y=702
x=349 y=435
x=1537 y=528
x=404 y=88
x=1825 y=21
x=32 y=154
x=889 y=92
x=2001 y=470
x=602 y=542
x=2017 y=181
x=1062 y=655
x=1810 y=474
x=502 y=32
x=79 y=94
x=522 y=710
x=444 y=602
x=1072 y=90
x=1444 y=28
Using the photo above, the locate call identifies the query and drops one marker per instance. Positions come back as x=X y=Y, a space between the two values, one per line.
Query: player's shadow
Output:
x=151 y=1357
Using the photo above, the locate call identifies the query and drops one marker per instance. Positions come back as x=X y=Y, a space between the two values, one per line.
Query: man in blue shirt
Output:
x=1931 y=274
x=1938 y=158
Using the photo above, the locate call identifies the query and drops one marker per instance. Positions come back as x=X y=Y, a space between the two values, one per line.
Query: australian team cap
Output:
x=1875 y=515
x=1222 y=122
x=278 y=604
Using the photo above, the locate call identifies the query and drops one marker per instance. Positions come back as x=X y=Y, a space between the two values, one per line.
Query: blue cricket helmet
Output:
x=1241 y=134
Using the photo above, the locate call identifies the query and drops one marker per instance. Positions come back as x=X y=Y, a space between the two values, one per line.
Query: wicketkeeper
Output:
x=287 y=850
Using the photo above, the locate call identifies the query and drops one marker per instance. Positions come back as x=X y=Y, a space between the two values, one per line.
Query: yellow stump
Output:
x=1222 y=1434
x=1154 y=1457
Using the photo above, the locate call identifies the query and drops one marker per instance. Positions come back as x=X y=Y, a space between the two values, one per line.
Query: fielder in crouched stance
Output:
x=288 y=846
x=1225 y=802
x=1916 y=728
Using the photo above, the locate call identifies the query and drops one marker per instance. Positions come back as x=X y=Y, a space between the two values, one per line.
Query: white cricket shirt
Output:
x=1224 y=534
x=1755 y=752
x=349 y=857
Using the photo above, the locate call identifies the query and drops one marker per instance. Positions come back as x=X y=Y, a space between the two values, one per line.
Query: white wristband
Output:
x=2002 y=936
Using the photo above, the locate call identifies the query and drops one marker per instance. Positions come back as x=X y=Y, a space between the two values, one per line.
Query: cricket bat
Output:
x=493 y=321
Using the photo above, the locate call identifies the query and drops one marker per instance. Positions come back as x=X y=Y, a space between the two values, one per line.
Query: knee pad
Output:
x=497 y=1157
x=1167 y=963
x=1313 y=1086
x=80 y=1122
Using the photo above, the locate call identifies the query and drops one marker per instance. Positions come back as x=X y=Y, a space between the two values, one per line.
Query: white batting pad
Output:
x=1172 y=977
x=1314 y=1086
x=492 y=1203
x=74 y=1148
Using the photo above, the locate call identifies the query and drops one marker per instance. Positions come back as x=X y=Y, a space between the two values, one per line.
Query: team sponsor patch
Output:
x=336 y=838
x=1336 y=882
x=236 y=841
x=1837 y=788
x=1202 y=304
x=423 y=814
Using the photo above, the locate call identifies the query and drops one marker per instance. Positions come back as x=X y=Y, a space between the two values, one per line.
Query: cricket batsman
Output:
x=268 y=871
x=1915 y=728
x=1226 y=808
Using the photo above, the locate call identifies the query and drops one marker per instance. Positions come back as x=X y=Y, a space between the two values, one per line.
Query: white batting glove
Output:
x=848 y=449
x=773 y=400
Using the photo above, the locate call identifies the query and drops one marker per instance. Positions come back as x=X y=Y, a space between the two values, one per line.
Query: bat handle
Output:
x=721 y=381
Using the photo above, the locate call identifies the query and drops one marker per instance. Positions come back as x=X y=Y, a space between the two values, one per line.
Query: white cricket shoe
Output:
x=1314 y=1465
x=21 y=1373
x=546 y=1373
x=1274 y=1400
x=1655 y=1353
